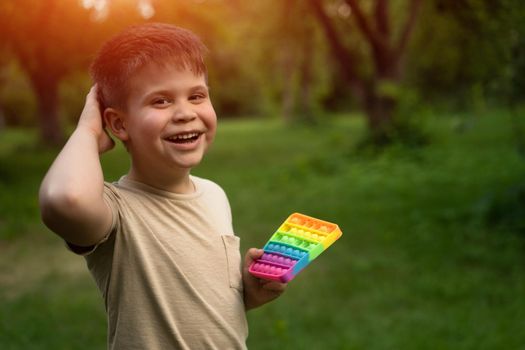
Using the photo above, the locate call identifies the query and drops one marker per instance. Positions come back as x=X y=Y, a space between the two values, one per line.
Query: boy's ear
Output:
x=115 y=121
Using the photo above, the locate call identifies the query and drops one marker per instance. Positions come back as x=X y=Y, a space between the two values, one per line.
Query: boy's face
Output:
x=170 y=121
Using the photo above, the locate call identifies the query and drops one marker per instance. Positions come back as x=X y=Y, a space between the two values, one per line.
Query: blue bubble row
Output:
x=296 y=253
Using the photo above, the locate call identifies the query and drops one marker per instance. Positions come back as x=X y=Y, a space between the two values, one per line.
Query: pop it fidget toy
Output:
x=298 y=241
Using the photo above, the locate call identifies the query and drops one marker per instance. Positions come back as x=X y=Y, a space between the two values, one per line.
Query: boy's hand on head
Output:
x=91 y=119
x=258 y=291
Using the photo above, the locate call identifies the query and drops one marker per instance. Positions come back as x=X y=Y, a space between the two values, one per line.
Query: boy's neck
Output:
x=175 y=183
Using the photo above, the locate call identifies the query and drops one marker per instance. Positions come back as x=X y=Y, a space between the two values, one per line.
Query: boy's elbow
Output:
x=73 y=214
x=57 y=205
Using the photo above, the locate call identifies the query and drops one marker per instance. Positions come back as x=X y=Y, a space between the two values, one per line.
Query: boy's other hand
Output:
x=91 y=119
x=258 y=291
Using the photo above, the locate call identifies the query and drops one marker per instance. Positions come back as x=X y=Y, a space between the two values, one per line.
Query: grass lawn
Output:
x=417 y=266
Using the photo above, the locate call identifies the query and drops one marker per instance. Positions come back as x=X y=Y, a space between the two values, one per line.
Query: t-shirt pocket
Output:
x=233 y=257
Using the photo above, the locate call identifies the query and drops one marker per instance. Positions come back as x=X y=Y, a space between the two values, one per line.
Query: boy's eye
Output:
x=162 y=101
x=197 y=97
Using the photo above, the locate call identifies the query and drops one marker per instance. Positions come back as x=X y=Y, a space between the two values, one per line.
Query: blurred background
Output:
x=401 y=121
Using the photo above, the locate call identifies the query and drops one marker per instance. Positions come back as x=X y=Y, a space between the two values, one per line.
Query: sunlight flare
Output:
x=101 y=8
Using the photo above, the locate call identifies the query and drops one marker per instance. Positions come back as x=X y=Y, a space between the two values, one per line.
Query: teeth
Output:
x=184 y=136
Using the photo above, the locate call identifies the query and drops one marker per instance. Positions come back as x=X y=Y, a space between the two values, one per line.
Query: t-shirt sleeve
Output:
x=217 y=204
x=111 y=199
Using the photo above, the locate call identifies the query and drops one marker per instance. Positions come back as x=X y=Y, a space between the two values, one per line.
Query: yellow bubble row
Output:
x=306 y=234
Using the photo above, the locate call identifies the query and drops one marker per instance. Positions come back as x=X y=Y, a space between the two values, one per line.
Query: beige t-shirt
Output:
x=170 y=270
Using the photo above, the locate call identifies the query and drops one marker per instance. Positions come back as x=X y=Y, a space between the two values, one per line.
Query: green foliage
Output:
x=22 y=167
x=506 y=210
x=270 y=57
x=467 y=53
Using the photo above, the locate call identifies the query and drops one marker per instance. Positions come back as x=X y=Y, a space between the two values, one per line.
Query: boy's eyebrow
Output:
x=200 y=87
x=170 y=92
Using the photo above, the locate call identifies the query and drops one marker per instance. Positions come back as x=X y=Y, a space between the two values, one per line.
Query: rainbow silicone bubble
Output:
x=295 y=244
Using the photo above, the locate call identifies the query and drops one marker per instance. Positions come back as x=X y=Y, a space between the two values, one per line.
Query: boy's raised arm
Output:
x=71 y=194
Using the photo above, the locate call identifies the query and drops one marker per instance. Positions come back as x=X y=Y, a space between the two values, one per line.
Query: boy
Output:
x=159 y=242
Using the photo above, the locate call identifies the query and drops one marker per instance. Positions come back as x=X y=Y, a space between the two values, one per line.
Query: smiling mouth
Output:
x=184 y=138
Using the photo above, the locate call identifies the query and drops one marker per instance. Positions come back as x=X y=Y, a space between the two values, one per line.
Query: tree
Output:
x=53 y=38
x=49 y=39
x=299 y=51
x=387 y=47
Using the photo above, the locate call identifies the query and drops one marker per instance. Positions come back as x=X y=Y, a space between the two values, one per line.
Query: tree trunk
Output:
x=2 y=119
x=380 y=105
x=387 y=54
x=380 y=112
x=288 y=63
x=306 y=77
x=288 y=93
x=46 y=91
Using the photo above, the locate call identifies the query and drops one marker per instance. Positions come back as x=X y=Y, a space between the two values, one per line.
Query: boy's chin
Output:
x=188 y=164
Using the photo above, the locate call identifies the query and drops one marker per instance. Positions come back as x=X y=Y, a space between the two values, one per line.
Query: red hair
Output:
x=124 y=54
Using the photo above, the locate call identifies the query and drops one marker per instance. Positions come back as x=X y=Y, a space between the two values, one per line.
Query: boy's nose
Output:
x=183 y=114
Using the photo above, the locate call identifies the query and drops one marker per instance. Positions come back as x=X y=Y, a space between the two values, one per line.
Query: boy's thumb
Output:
x=106 y=143
x=251 y=255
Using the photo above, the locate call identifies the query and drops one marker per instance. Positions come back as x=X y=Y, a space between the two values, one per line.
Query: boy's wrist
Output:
x=101 y=138
x=82 y=126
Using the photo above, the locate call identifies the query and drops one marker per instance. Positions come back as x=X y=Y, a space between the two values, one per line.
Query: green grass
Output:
x=417 y=266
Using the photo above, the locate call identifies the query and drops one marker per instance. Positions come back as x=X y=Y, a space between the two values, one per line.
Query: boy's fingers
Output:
x=92 y=95
x=91 y=108
x=251 y=255
x=275 y=286
x=107 y=143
